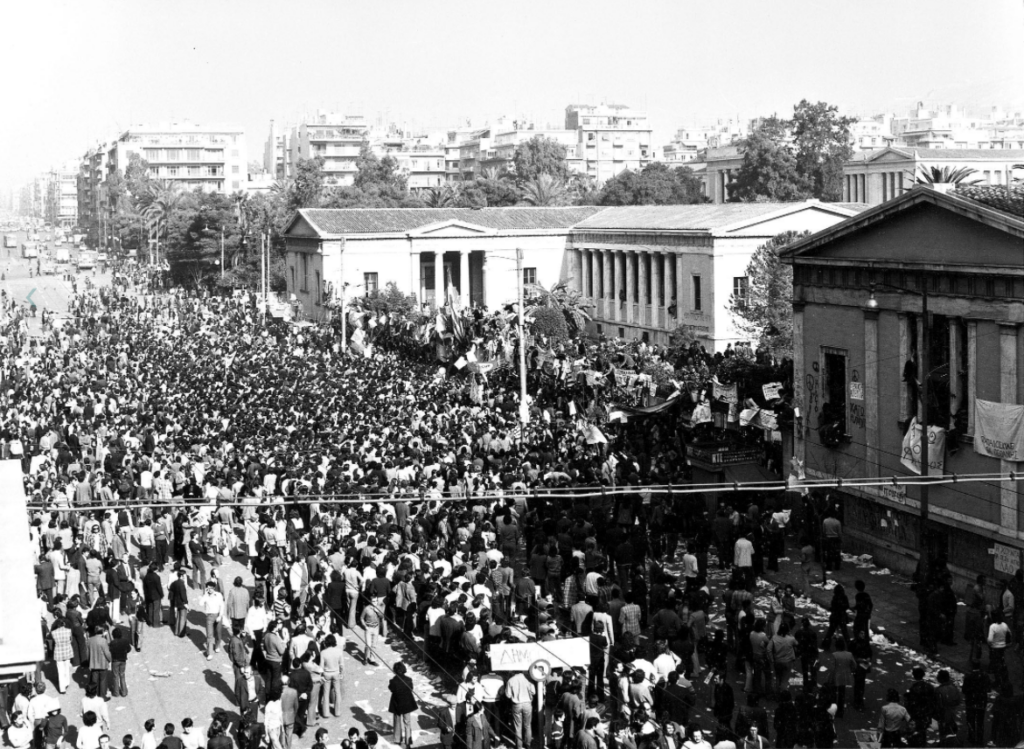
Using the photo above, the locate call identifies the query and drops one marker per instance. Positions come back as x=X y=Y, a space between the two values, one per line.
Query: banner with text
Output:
x=911 y=457
x=999 y=430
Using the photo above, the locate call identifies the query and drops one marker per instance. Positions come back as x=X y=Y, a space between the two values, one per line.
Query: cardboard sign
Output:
x=559 y=653
x=726 y=393
x=771 y=390
x=911 y=457
x=856 y=391
x=1007 y=559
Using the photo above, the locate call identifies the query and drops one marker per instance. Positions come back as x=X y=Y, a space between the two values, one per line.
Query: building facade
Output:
x=647 y=270
x=195 y=156
x=337 y=138
x=723 y=164
x=859 y=294
x=62 y=198
x=421 y=250
x=610 y=139
x=873 y=177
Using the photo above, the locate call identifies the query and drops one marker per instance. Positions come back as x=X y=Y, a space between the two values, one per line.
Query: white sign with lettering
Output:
x=559 y=653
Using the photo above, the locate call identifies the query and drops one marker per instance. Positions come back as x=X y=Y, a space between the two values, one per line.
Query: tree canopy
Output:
x=655 y=184
x=540 y=155
x=765 y=314
x=823 y=144
x=769 y=170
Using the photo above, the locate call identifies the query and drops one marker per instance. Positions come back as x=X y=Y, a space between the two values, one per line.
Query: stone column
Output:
x=799 y=391
x=438 y=280
x=904 y=329
x=972 y=372
x=642 y=261
x=1008 y=496
x=585 y=274
x=465 y=283
x=683 y=301
x=657 y=306
x=483 y=279
x=607 y=286
x=870 y=404
x=630 y=258
x=414 y=276
x=668 y=278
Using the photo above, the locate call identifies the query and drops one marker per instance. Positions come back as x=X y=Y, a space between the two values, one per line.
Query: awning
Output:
x=749 y=473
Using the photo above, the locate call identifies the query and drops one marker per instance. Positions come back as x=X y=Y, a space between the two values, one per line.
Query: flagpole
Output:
x=524 y=409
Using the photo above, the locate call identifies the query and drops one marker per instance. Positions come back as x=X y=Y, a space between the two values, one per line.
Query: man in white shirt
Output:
x=212 y=605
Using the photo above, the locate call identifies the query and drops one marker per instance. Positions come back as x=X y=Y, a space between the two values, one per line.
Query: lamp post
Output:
x=923 y=373
x=222 y=252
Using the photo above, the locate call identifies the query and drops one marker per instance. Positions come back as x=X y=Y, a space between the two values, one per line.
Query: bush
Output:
x=550 y=322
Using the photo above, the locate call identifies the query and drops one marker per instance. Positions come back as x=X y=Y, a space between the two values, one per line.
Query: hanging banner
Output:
x=768 y=419
x=701 y=414
x=747 y=415
x=911 y=457
x=771 y=390
x=726 y=393
x=999 y=430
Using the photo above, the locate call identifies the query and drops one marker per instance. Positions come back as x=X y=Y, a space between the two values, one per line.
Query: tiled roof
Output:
x=390 y=220
x=995 y=196
x=702 y=217
x=857 y=207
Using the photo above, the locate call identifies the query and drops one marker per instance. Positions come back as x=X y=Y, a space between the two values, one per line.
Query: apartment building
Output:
x=192 y=155
x=276 y=154
x=92 y=172
x=611 y=138
x=62 y=196
x=338 y=138
x=690 y=140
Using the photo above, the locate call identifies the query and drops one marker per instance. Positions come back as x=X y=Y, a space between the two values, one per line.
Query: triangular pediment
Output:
x=891 y=155
x=452 y=228
x=301 y=227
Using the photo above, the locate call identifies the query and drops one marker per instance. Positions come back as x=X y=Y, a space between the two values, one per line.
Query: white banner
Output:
x=999 y=430
x=518 y=656
x=911 y=457
x=725 y=393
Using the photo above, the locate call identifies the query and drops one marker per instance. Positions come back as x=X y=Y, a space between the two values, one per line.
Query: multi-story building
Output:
x=423 y=167
x=210 y=158
x=276 y=153
x=873 y=177
x=950 y=126
x=870 y=133
x=927 y=288
x=691 y=140
x=611 y=138
x=337 y=138
x=92 y=209
x=62 y=198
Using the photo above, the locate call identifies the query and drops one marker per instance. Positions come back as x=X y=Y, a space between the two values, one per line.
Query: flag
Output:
x=452 y=295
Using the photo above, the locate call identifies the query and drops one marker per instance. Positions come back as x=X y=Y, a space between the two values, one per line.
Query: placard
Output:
x=771 y=390
x=559 y=653
x=1007 y=558
x=856 y=391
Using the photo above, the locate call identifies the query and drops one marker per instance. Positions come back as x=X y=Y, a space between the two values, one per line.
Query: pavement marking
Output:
x=29 y=297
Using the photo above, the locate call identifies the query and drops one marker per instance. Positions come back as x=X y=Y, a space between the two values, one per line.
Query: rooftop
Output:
x=392 y=220
x=995 y=196
x=703 y=217
x=945 y=154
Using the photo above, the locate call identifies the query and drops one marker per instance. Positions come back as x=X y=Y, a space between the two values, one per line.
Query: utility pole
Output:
x=263 y=270
x=524 y=409
x=222 y=252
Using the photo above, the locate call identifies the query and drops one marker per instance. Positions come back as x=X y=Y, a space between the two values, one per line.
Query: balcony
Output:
x=715 y=455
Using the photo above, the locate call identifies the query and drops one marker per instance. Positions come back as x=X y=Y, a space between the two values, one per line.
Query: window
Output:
x=235 y=185
x=152 y=154
x=192 y=154
x=370 y=283
x=739 y=290
x=173 y=154
x=234 y=168
x=234 y=153
x=698 y=298
x=529 y=276
x=172 y=171
x=832 y=420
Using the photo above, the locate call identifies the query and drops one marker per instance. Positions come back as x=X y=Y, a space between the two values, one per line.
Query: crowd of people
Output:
x=373 y=498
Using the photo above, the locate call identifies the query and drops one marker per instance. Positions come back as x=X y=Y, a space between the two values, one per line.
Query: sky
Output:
x=80 y=72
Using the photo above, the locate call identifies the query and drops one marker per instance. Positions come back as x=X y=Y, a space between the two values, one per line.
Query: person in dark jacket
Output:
x=975 y=690
x=153 y=595
x=402 y=705
x=334 y=596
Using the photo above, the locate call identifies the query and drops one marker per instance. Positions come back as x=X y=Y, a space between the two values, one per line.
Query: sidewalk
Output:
x=895 y=612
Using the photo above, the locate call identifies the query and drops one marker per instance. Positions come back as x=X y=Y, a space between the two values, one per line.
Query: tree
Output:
x=306 y=189
x=561 y=297
x=136 y=176
x=765 y=313
x=550 y=322
x=540 y=155
x=545 y=190
x=823 y=144
x=769 y=169
x=443 y=196
x=655 y=184
x=944 y=175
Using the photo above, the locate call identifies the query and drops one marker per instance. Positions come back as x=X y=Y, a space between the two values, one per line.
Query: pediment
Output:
x=889 y=156
x=452 y=228
x=301 y=227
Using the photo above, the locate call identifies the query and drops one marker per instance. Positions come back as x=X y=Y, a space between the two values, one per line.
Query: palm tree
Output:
x=562 y=297
x=945 y=175
x=545 y=191
x=241 y=199
x=439 y=197
x=162 y=201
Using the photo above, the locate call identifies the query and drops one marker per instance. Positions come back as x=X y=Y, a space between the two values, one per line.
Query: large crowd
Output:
x=374 y=498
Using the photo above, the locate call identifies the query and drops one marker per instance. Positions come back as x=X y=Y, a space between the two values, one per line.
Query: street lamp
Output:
x=922 y=356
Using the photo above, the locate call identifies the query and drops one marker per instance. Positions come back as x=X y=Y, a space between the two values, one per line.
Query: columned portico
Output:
x=465 y=294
